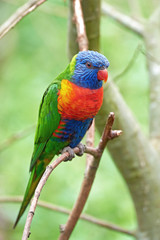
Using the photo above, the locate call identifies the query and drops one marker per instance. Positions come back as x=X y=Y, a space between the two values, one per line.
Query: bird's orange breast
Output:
x=78 y=103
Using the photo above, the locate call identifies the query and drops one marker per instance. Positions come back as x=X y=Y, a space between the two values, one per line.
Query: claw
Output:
x=81 y=149
x=71 y=153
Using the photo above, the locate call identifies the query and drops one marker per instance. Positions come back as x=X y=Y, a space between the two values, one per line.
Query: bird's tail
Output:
x=32 y=184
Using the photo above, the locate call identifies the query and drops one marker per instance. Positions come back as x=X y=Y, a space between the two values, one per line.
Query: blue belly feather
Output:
x=73 y=132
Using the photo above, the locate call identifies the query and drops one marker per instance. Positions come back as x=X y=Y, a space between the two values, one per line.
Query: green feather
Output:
x=48 y=122
x=32 y=184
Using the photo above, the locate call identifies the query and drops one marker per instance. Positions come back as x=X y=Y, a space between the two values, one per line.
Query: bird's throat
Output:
x=78 y=103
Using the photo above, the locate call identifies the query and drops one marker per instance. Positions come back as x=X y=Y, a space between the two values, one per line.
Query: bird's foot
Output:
x=82 y=148
x=71 y=153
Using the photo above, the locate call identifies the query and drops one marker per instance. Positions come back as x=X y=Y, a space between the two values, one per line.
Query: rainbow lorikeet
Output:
x=66 y=112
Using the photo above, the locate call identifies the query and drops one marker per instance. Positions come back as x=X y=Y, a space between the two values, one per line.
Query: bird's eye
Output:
x=88 y=64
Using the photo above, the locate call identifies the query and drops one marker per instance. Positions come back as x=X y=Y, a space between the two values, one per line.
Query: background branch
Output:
x=60 y=209
x=137 y=161
x=130 y=63
x=123 y=19
x=152 y=42
x=49 y=8
x=18 y=15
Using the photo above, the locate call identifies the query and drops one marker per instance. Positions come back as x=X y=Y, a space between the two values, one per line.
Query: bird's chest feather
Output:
x=78 y=103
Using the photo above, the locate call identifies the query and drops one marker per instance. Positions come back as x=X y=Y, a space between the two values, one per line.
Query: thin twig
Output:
x=15 y=137
x=88 y=180
x=123 y=19
x=81 y=30
x=150 y=56
x=130 y=63
x=49 y=8
x=21 y=12
x=61 y=209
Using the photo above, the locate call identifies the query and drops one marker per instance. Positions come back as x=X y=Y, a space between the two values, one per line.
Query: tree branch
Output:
x=123 y=19
x=107 y=135
x=130 y=63
x=137 y=161
x=61 y=209
x=81 y=30
x=51 y=8
x=88 y=180
x=152 y=42
x=21 y=12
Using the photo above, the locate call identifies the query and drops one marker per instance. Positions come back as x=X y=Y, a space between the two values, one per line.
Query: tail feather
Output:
x=32 y=184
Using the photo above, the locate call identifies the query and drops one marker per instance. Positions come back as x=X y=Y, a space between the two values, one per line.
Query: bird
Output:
x=66 y=112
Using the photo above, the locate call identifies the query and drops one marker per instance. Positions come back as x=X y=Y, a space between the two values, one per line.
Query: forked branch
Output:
x=123 y=19
x=89 y=177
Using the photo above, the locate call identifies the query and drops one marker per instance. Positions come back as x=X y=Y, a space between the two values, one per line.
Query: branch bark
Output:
x=21 y=12
x=88 y=179
x=81 y=29
x=123 y=19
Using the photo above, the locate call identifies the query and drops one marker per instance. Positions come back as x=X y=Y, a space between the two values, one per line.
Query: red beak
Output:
x=102 y=75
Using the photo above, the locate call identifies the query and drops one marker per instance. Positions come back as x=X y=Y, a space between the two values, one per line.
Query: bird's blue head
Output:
x=89 y=69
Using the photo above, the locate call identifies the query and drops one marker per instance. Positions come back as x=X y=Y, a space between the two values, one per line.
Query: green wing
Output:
x=48 y=121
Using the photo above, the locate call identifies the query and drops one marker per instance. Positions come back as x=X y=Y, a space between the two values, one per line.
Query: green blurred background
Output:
x=31 y=55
